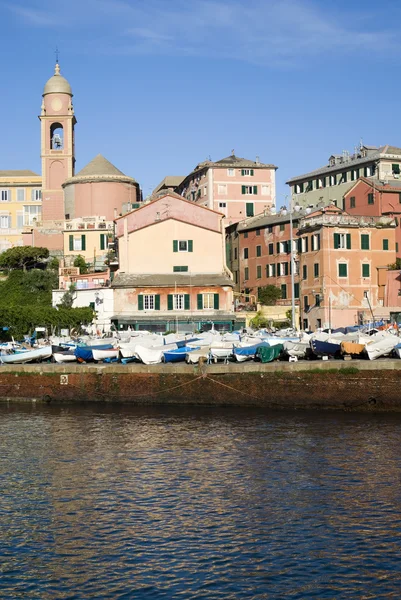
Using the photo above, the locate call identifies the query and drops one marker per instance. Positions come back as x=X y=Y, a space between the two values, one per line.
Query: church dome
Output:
x=57 y=84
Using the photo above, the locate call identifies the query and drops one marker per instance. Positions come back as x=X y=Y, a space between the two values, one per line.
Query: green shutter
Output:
x=102 y=241
x=336 y=241
x=255 y=190
x=296 y=290
x=71 y=242
x=252 y=172
x=157 y=302
x=242 y=172
x=385 y=244
x=249 y=209
x=342 y=270
x=170 y=302
x=186 y=301
x=274 y=270
x=140 y=302
x=175 y=245
x=364 y=241
x=200 y=301
x=365 y=270
x=83 y=242
x=348 y=241
x=216 y=301
x=190 y=246
x=243 y=189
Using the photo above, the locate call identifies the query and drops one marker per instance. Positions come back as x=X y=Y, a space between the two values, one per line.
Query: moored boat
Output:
x=36 y=354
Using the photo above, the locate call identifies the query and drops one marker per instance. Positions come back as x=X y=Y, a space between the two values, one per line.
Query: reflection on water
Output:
x=117 y=502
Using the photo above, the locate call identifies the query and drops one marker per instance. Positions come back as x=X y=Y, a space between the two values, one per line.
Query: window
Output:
x=205 y=190
x=271 y=248
x=342 y=240
x=284 y=268
x=222 y=189
x=272 y=270
x=352 y=202
x=249 y=209
x=284 y=291
x=149 y=302
x=5 y=195
x=231 y=172
x=250 y=189
x=247 y=172
x=304 y=244
x=309 y=186
x=342 y=270
x=306 y=303
x=235 y=254
x=265 y=190
x=20 y=220
x=36 y=195
x=223 y=206
x=317 y=299
x=32 y=214
x=21 y=195
x=365 y=241
x=365 y=270
x=371 y=199
x=296 y=290
x=282 y=226
x=77 y=243
x=258 y=272
x=207 y=301
x=269 y=229
x=316 y=270
x=396 y=169
x=180 y=269
x=246 y=274
x=304 y=272
x=258 y=250
x=245 y=234
x=183 y=246
x=385 y=244
x=315 y=241
x=257 y=232
x=246 y=252
x=5 y=222
x=333 y=179
x=103 y=241
x=178 y=301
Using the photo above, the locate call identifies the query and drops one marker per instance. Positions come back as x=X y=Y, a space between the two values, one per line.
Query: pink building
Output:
x=172 y=271
x=234 y=186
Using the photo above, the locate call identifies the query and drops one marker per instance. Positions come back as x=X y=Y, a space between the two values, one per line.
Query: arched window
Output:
x=56 y=136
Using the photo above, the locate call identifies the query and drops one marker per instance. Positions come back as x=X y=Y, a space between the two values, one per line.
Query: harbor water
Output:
x=113 y=501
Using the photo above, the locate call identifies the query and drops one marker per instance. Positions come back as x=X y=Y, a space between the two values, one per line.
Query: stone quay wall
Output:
x=355 y=385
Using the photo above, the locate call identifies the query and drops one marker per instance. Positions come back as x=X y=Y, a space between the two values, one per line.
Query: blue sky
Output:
x=160 y=85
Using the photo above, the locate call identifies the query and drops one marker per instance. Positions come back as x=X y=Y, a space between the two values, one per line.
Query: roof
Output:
x=123 y=280
x=99 y=169
x=170 y=181
x=57 y=84
x=23 y=173
x=263 y=220
x=231 y=161
x=373 y=153
x=389 y=186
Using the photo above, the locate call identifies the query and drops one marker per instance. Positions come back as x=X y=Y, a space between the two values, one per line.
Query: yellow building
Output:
x=88 y=237
x=21 y=205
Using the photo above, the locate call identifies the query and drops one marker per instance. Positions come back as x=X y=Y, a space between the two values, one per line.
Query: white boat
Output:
x=150 y=356
x=297 y=349
x=99 y=354
x=63 y=357
x=221 y=350
x=36 y=354
x=195 y=356
x=382 y=346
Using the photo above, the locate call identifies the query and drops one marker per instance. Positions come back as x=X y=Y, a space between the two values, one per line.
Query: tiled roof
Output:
x=265 y=220
x=23 y=173
x=230 y=162
x=170 y=280
x=170 y=181
x=373 y=154
x=100 y=169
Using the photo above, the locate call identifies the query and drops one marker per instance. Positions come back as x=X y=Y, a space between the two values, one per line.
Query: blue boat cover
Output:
x=249 y=350
x=85 y=352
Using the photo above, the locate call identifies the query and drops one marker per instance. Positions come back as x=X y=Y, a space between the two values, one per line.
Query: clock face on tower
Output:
x=56 y=104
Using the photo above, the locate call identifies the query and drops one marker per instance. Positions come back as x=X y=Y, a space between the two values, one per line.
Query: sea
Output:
x=111 y=501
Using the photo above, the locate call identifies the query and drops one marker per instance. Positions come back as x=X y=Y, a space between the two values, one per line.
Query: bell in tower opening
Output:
x=56 y=136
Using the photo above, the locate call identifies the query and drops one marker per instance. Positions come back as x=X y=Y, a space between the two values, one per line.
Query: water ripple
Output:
x=117 y=502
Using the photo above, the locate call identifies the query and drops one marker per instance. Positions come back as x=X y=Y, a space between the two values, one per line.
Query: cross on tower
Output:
x=56 y=52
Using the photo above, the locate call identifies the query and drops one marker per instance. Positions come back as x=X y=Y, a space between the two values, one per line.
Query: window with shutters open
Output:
x=342 y=241
x=183 y=245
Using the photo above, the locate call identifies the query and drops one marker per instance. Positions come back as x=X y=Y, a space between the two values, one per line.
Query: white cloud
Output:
x=272 y=32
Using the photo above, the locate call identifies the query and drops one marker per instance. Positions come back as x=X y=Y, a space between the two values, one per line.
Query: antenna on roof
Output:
x=233 y=152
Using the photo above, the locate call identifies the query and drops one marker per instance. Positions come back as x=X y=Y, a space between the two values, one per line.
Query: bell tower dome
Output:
x=57 y=144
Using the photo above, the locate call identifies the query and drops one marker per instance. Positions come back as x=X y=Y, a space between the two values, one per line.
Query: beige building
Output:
x=89 y=237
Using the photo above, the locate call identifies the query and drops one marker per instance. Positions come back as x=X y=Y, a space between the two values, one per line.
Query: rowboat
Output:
x=247 y=352
x=179 y=354
x=64 y=356
x=37 y=354
x=102 y=354
x=382 y=346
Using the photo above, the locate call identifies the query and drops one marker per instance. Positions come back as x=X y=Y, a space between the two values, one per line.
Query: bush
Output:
x=23 y=257
x=268 y=295
x=23 y=319
x=79 y=261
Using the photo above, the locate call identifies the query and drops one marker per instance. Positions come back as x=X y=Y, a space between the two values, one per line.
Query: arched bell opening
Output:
x=56 y=136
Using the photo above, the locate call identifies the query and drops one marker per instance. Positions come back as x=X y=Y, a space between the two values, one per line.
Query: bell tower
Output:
x=57 y=122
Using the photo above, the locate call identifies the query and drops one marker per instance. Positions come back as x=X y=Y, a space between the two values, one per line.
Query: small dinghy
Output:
x=37 y=354
x=104 y=353
x=178 y=354
x=64 y=356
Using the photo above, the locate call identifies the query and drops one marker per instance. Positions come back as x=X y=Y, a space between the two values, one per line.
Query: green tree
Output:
x=268 y=295
x=37 y=280
x=79 y=261
x=53 y=263
x=395 y=266
x=23 y=257
x=67 y=299
x=259 y=321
